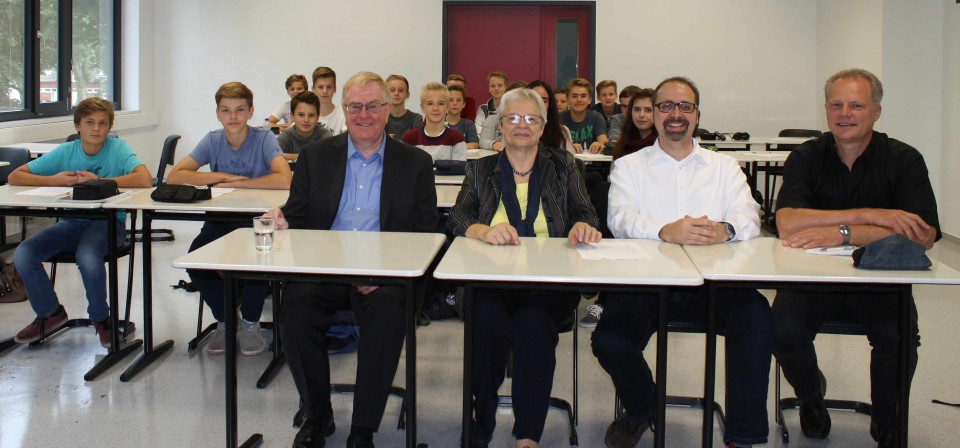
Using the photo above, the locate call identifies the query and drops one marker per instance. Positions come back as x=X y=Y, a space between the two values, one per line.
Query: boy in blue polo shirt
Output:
x=92 y=156
x=239 y=156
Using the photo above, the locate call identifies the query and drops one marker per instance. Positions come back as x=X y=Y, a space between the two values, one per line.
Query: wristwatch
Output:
x=731 y=231
x=845 y=233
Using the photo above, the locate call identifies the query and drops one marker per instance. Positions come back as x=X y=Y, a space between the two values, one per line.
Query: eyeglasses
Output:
x=668 y=106
x=527 y=118
x=355 y=108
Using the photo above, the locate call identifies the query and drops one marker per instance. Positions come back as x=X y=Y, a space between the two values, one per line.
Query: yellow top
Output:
x=539 y=224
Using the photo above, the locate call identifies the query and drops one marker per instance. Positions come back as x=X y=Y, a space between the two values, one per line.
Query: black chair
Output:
x=167 y=156
x=17 y=157
x=842 y=327
x=126 y=250
x=771 y=173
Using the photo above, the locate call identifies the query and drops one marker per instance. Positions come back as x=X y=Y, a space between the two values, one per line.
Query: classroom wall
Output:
x=948 y=198
x=754 y=60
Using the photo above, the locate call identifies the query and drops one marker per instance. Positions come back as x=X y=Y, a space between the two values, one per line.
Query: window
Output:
x=55 y=53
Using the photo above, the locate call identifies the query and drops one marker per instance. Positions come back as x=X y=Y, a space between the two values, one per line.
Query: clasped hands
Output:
x=505 y=234
x=694 y=231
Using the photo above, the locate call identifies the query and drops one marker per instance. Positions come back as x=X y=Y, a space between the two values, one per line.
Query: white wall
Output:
x=948 y=198
x=849 y=34
x=754 y=60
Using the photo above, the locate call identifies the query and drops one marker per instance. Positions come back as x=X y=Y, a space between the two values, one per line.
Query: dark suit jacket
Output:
x=408 y=196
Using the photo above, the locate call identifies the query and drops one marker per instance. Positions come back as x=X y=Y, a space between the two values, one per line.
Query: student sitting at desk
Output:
x=615 y=124
x=324 y=86
x=464 y=125
x=92 y=156
x=295 y=84
x=527 y=190
x=239 y=156
x=434 y=137
x=678 y=192
x=587 y=126
x=401 y=119
x=306 y=128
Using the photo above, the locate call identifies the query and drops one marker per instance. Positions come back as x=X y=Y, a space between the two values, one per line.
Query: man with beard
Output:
x=678 y=192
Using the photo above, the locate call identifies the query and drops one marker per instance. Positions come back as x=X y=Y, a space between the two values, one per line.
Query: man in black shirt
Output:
x=854 y=186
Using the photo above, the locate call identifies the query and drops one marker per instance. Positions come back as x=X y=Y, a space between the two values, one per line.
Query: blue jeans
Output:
x=743 y=316
x=88 y=240
x=210 y=284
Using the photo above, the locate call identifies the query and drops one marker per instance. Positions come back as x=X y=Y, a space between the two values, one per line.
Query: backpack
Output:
x=11 y=285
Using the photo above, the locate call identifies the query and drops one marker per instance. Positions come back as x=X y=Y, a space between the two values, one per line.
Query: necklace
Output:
x=523 y=173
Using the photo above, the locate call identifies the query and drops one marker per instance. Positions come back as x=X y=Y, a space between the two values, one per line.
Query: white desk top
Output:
x=2 y=163
x=478 y=153
x=554 y=260
x=449 y=180
x=765 y=259
x=758 y=156
x=379 y=254
x=755 y=141
x=447 y=195
x=9 y=198
x=586 y=157
x=241 y=200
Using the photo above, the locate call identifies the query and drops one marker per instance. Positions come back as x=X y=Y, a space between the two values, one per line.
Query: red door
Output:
x=526 y=41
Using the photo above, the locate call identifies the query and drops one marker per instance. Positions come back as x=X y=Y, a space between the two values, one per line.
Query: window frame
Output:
x=32 y=107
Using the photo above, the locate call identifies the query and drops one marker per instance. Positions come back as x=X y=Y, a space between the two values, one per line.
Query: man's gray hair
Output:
x=876 y=88
x=361 y=79
x=521 y=94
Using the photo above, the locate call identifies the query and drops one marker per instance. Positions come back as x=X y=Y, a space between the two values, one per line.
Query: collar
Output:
x=658 y=155
x=352 y=149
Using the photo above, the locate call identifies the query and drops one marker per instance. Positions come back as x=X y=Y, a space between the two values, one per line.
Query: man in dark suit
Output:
x=359 y=181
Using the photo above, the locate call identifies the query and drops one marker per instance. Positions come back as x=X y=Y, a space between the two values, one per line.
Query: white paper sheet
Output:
x=613 y=250
x=217 y=191
x=47 y=191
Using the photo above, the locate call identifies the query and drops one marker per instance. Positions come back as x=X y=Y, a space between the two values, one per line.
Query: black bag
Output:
x=181 y=193
x=11 y=286
x=450 y=167
x=95 y=189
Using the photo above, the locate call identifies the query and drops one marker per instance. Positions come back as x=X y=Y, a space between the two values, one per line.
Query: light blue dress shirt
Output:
x=360 y=201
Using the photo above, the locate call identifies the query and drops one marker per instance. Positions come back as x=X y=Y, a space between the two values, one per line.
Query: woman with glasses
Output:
x=527 y=190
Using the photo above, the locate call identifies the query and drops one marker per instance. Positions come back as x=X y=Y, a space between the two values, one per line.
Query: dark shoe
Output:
x=593 y=316
x=103 y=331
x=883 y=438
x=814 y=417
x=625 y=432
x=41 y=327
x=360 y=441
x=313 y=433
x=478 y=438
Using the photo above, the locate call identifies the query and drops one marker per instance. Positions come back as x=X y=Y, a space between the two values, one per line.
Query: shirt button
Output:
x=364 y=164
x=358 y=209
x=361 y=187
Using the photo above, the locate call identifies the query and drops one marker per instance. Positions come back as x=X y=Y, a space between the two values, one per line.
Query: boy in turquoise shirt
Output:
x=92 y=156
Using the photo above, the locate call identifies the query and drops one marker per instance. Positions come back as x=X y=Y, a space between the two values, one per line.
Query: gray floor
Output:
x=178 y=402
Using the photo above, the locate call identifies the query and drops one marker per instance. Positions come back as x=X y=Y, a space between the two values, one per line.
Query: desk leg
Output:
x=230 y=363
x=410 y=398
x=903 y=389
x=660 y=416
x=116 y=352
x=467 y=362
x=710 y=366
x=150 y=353
x=278 y=357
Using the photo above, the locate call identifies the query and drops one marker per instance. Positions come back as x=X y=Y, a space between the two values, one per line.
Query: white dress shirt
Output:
x=650 y=189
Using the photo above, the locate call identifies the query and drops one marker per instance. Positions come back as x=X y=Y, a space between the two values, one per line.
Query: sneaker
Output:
x=41 y=327
x=625 y=432
x=217 y=344
x=103 y=331
x=593 y=316
x=250 y=340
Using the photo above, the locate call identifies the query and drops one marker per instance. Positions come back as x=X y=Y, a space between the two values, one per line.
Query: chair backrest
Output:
x=16 y=156
x=167 y=156
x=796 y=133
